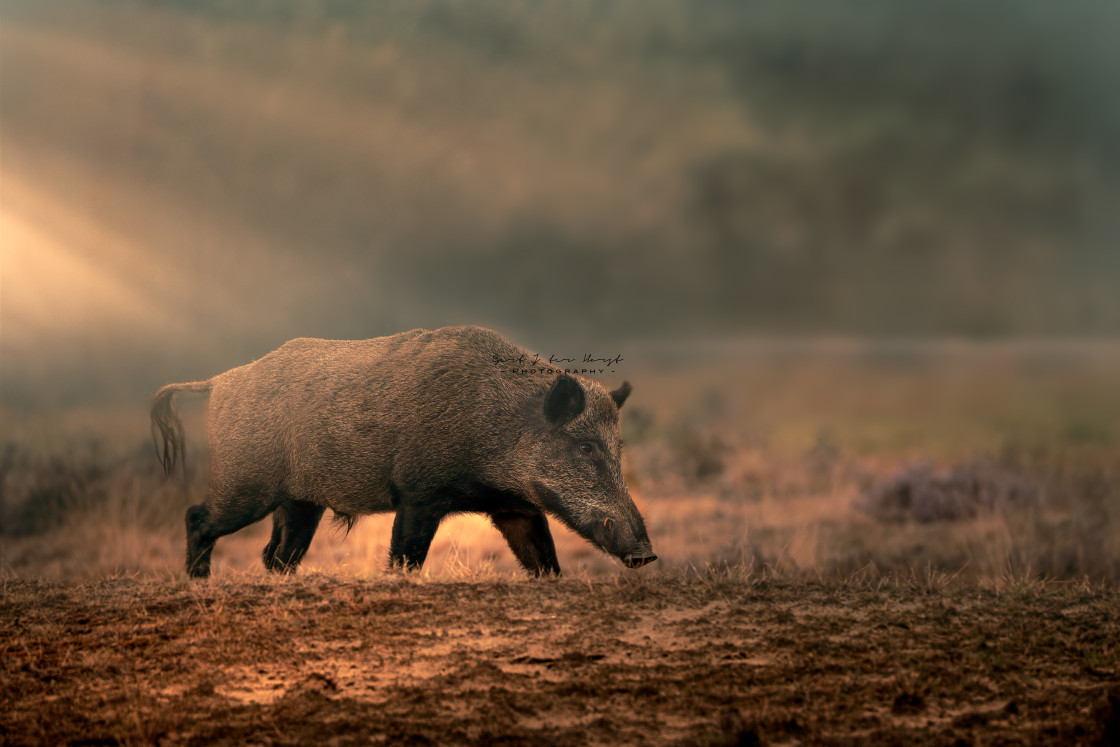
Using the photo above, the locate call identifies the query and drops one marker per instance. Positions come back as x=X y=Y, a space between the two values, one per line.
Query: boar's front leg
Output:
x=531 y=541
x=413 y=531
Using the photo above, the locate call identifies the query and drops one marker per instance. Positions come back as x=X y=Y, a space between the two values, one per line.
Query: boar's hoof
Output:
x=635 y=561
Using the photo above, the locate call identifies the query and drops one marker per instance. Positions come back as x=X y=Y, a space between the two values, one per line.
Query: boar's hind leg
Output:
x=413 y=530
x=206 y=522
x=530 y=540
x=293 y=527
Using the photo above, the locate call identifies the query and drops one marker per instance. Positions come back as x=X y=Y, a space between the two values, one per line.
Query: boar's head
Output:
x=577 y=469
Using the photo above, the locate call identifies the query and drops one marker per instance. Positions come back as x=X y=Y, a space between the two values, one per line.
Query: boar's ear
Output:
x=619 y=395
x=564 y=401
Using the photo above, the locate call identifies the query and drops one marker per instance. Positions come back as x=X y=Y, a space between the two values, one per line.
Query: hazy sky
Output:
x=187 y=185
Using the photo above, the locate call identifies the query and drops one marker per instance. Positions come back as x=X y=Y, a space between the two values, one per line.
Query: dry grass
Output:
x=793 y=519
x=798 y=599
x=975 y=461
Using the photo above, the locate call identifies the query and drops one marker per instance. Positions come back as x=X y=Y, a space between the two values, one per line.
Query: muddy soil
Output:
x=650 y=659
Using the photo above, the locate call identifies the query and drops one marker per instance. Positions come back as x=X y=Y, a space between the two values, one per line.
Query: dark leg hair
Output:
x=269 y=553
x=293 y=527
x=413 y=530
x=206 y=522
x=531 y=541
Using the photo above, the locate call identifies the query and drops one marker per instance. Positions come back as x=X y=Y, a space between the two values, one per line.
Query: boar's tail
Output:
x=166 y=425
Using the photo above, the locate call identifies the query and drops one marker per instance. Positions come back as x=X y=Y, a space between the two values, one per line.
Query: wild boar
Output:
x=423 y=423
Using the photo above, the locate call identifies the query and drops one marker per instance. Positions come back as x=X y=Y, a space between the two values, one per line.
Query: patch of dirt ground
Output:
x=650 y=659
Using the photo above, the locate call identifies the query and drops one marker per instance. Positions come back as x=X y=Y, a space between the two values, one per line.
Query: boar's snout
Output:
x=624 y=537
x=637 y=561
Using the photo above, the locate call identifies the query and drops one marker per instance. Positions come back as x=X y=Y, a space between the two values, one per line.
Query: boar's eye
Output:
x=587 y=447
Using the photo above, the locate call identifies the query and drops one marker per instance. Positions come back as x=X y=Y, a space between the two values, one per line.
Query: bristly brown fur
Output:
x=423 y=423
x=344 y=523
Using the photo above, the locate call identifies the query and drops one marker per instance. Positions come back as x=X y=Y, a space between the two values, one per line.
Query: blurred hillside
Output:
x=188 y=184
